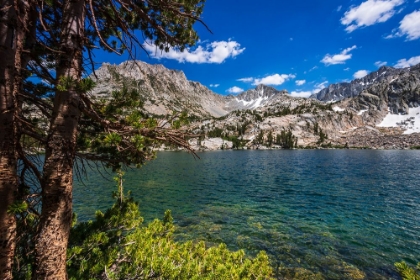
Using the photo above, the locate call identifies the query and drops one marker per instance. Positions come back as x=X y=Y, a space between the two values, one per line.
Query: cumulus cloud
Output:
x=300 y=82
x=360 y=74
x=215 y=52
x=409 y=27
x=369 y=13
x=214 y=85
x=317 y=88
x=246 y=80
x=402 y=63
x=274 y=80
x=380 y=63
x=305 y=94
x=235 y=89
x=338 y=58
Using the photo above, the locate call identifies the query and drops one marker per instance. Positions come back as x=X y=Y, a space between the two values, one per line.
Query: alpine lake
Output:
x=319 y=214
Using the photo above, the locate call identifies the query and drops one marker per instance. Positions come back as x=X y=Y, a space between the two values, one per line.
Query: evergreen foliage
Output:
x=407 y=272
x=117 y=246
x=216 y=132
x=48 y=41
x=236 y=142
x=286 y=139
x=260 y=137
x=270 y=138
x=316 y=127
x=322 y=136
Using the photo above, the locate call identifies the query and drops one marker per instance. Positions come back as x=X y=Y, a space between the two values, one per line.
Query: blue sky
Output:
x=300 y=46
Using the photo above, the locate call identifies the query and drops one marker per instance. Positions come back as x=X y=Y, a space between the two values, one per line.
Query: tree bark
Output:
x=57 y=181
x=8 y=140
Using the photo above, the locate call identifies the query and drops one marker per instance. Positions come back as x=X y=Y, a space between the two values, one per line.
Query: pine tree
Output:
x=66 y=31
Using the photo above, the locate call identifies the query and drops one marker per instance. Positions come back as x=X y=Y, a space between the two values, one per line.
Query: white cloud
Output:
x=380 y=63
x=246 y=80
x=318 y=87
x=339 y=8
x=402 y=63
x=409 y=27
x=215 y=52
x=235 y=89
x=275 y=79
x=338 y=58
x=369 y=13
x=214 y=85
x=346 y=69
x=300 y=82
x=305 y=94
x=313 y=68
x=360 y=74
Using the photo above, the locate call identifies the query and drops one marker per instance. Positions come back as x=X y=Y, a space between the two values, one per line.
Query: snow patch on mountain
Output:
x=253 y=103
x=361 y=112
x=410 y=122
x=337 y=109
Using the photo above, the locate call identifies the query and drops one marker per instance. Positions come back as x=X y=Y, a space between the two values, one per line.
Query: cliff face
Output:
x=164 y=91
x=266 y=111
x=340 y=91
x=399 y=94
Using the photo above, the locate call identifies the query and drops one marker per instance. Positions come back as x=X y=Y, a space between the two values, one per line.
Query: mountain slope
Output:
x=162 y=90
x=165 y=91
x=336 y=92
x=258 y=115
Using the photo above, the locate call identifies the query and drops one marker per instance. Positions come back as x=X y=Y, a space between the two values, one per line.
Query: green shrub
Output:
x=407 y=272
x=116 y=246
x=286 y=140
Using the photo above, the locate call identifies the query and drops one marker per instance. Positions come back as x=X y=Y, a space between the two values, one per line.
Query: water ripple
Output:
x=342 y=214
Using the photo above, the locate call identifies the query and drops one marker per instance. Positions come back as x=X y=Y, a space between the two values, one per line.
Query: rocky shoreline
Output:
x=374 y=142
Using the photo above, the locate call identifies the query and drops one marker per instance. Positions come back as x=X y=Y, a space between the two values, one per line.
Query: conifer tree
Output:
x=66 y=30
x=16 y=27
x=166 y=24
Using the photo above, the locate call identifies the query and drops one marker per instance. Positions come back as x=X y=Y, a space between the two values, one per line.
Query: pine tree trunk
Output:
x=57 y=181
x=8 y=138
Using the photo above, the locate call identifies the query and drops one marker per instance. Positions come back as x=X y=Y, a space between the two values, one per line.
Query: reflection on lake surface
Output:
x=334 y=214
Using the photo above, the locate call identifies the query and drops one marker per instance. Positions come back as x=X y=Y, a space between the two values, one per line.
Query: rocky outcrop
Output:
x=163 y=91
x=261 y=96
x=340 y=91
x=259 y=114
x=372 y=138
x=404 y=92
x=396 y=96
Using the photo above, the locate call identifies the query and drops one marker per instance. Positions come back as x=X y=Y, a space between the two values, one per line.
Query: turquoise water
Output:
x=333 y=214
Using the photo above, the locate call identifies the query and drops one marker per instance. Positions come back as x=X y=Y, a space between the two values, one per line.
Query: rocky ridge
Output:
x=163 y=91
x=258 y=115
x=340 y=91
